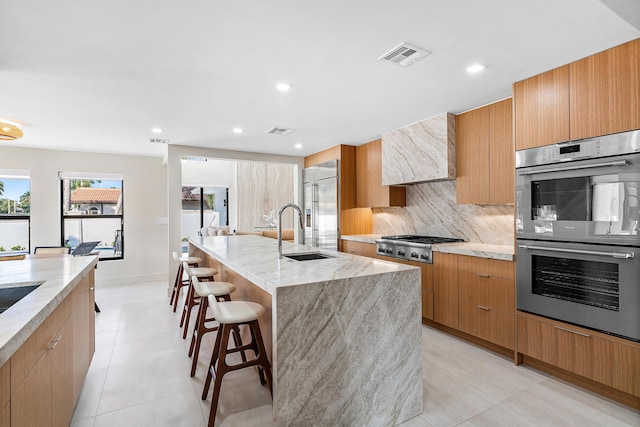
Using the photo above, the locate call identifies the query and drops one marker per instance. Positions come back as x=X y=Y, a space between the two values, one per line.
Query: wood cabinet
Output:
x=5 y=394
x=369 y=189
x=83 y=331
x=485 y=155
x=487 y=299
x=48 y=369
x=595 y=96
x=541 y=108
x=604 y=92
x=605 y=359
x=445 y=289
x=359 y=248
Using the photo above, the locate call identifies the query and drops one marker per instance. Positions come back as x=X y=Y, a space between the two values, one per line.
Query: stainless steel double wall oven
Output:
x=577 y=230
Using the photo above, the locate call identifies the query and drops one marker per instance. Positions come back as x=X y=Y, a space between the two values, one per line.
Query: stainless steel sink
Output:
x=10 y=296
x=308 y=256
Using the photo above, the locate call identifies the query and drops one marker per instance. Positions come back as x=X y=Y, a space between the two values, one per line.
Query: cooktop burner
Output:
x=427 y=240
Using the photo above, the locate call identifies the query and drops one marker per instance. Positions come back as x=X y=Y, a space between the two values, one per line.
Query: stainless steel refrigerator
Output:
x=322 y=223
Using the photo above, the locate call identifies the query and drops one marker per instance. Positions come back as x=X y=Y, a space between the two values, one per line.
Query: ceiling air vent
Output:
x=280 y=131
x=159 y=140
x=404 y=55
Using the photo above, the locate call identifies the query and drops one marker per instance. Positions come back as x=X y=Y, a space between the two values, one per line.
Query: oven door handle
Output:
x=623 y=255
x=576 y=167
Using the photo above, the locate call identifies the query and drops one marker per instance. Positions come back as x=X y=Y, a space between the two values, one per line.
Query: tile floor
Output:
x=140 y=377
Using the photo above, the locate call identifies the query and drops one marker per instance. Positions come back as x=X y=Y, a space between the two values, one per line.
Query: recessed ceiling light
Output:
x=298 y=145
x=237 y=130
x=475 y=68
x=284 y=87
x=156 y=130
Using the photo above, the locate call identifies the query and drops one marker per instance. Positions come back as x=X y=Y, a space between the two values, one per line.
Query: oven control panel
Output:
x=578 y=150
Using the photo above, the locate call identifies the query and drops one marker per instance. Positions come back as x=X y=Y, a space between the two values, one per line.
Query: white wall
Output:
x=145 y=199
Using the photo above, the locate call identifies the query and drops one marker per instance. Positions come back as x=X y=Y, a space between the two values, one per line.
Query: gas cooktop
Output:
x=410 y=247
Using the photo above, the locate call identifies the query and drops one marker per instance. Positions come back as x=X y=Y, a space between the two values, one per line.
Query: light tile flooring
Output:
x=140 y=377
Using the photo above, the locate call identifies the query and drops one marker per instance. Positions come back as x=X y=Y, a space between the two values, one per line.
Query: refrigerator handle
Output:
x=316 y=217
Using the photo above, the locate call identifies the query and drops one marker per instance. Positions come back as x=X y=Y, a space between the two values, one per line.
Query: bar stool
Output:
x=192 y=300
x=220 y=290
x=179 y=282
x=231 y=315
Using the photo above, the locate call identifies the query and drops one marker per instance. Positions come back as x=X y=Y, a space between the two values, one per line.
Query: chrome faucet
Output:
x=282 y=209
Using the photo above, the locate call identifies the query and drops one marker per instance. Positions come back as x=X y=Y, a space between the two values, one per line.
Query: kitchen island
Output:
x=47 y=337
x=345 y=331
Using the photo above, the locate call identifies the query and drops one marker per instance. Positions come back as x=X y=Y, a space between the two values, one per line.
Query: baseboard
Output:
x=127 y=280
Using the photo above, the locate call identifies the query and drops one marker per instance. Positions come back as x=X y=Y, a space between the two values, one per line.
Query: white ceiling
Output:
x=98 y=75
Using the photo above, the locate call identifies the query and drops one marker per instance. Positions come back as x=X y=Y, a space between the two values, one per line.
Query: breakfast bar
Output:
x=344 y=331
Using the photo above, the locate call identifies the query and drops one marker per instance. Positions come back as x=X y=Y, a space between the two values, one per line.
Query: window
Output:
x=201 y=207
x=92 y=211
x=15 y=210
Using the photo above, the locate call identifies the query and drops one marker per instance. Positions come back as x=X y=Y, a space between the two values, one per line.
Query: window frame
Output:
x=19 y=174
x=64 y=217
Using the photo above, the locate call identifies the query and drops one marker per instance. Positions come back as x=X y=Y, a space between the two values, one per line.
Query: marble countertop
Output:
x=256 y=259
x=481 y=250
x=58 y=276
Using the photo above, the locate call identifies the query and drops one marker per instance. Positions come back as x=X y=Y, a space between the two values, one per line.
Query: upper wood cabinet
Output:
x=485 y=158
x=597 y=95
x=605 y=92
x=369 y=189
x=541 y=108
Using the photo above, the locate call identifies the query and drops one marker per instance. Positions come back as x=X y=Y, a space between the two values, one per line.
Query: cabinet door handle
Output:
x=54 y=343
x=573 y=332
x=90 y=289
x=482 y=275
x=481 y=307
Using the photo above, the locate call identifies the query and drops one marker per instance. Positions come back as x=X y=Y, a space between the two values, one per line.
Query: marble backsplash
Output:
x=432 y=210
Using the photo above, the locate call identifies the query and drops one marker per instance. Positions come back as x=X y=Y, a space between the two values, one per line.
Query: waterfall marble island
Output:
x=342 y=333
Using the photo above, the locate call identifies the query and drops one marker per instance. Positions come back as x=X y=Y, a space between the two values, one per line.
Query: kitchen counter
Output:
x=58 y=277
x=481 y=250
x=345 y=331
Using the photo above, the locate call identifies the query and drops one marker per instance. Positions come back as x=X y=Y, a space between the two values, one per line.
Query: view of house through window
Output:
x=15 y=210
x=92 y=211
x=203 y=207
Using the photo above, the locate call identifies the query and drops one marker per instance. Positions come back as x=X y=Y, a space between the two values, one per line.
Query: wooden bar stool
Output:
x=191 y=300
x=192 y=261
x=220 y=290
x=231 y=315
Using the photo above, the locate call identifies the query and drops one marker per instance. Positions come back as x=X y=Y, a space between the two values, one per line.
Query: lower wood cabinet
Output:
x=445 y=289
x=5 y=394
x=47 y=371
x=486 y=291
x=607 y=360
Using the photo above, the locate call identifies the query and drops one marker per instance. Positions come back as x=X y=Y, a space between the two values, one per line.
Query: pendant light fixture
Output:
x=9 y=130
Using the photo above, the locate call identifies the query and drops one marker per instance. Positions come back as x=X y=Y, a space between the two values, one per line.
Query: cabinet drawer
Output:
x=558 y=344
x=353 y=248
x=487 y=291
x=487 y=324
x=486 y=266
